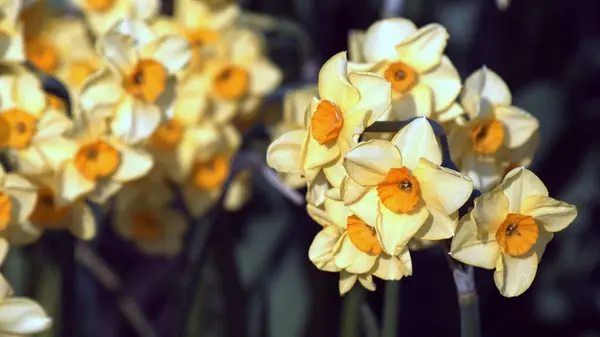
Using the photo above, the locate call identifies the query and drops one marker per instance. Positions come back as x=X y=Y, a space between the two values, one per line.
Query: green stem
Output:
x=351 y=312
x=390 y=309
x=467 y=301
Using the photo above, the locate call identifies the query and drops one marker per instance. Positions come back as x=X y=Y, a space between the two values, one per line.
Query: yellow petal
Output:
x=3 y=252
x=22 y=316
x=391 y=268
x=135 y=120
x=467 y=248
x=438 y=225
x=489 y=211
x=418 y=102
x=316 y=188
x=198 y=201
x=23 y=196
x=101 y=88
x=351 y=259
x=318 y=155
x=295 y=104
x=396 y=229
x=82 y=223
x=367 y=281
x=319 y=215
x=45 y=155
x=284 y=153
x=356 y=39
x=383 y=36
x=134 y=163
x=424 y=49
x=321 y=250
x=375 y=94
x=351 y=191
x=451 y=113
x=120 y=53
x=265 y=77
x=28 y=93
x=369 y=162
x=487 y=85
x=334 y=206
x=103 y=191
x=485 y=171
x=172 y=51
x=518 y=185
x=52 y=123
x=347 y=281
x=334 y=85
x=417 y=140
x=518 y=123
x=335 y=172
x=366 y=207
x=70 y=184
x=444 y=82
x=553 y=214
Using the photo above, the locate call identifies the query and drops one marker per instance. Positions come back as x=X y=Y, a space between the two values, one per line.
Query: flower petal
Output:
x=134 y=163
x=367 y=281
x=392 y=268
x=335 y=172
x=444 y=82
x=22 y=316
x=319 y=215
x=46 y=155
x=101 y=88
x=366 y=207
x=351 y=259
x=424 y=49
x=70 y=184
x=484 y=84
x=351 y=191
x=553 y=214
x=316 y=188
x=396 y=229
x=438 y=226
x=284 y=154
x=489 y=211
x=347 y=281
x=23 y=196
x=467 y=248
x=514 y=275
x=338 y=213
x=334 y=85
x=28 y=93
x=318 y=155
x=82 y=223
x=417 y=140
x=518 y=123
x=368 y=162
x=321 y=250
x=265 y=77
x=135 y=120
x=52 y=123
x=119 y=52
x=383 y=36
x=172 y=51
x=485 y=171
x=238 y=193
x=375 y=94
x=518 y=185
x=418 y=102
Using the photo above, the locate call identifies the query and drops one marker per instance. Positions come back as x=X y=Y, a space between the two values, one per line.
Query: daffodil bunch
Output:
x=392 y=145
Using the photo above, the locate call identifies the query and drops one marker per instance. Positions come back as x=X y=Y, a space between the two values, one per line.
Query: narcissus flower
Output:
x=401 y=188
x=19 y=316
x=349 y=102
x=482 y=146
x=101 y=15
x=348 y=245
x=424 y=81
x=136 y=91
x=17 y=199
x=144 y=215
x=509 y=228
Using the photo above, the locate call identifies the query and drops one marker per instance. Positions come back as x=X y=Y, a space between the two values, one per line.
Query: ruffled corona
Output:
x=17 y=129
x=399 y=191
x=487 y=136
x=363 y=236
x=326 y=122
x=97 y=160
x=46 y=214
x=147 y=81
x=168 y=135
x=517 y=234
x=211 y=174
x=401 y=76
x=232 y=83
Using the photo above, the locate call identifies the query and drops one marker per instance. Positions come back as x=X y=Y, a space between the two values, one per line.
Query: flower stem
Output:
x=351 y=313
x=390 y=309
x=467 y=301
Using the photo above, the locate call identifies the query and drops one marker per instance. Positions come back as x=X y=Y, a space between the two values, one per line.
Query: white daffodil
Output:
x=401 y=188
x=11 y=31
x=348 y=245
x=17 y=199
x=144 y=214
x=424 y=81
x=136 y=90
x=101 y=15
x=509 y=228
x=349 y=102
x=482 y=147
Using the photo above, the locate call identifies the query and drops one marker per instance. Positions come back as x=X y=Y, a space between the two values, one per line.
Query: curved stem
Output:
x=390 y=309
x=467 y=301
x=351 y=313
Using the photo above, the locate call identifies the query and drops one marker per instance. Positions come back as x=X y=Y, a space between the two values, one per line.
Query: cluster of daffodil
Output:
x=375 y=193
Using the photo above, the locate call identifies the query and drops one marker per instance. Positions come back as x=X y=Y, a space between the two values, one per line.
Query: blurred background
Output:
x=257 y=274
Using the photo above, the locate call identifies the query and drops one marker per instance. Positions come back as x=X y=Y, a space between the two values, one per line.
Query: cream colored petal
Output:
x=103 y=191
x=351 y=259
x=284 y=153
x=22 y=316
x=319 y=215
x=467 y=248
x=120 y=53
x=458 y=141
x=369 y=162
x=135 y=120
x=334 y=206
x=442 y=188
x=82 y=223
x=53 y=123
x=335 y=172
x=172 y=51
x=316 y=188
x=523 y=155
x=23 y=196
x=514 y=275
x=354 y=125
x=265 y=77
x=444 y=82
x=502 y=4
x=375 y=94
x=356 y=39
x=246 y=46
x=347 y=281
x=351 y=191
x=519 y=125
x=28 y=93
x=518 y=185
x=418 y=102
x=321 y=250
x=367 y=281
x=383 y=36
x=46 y=155
x=489 y=211
x=390 y=268
x=417 y=140
x=485 y=171
x=102 y=88
x=366 y=207
x=145 y=9
x=134 y=163
x=334 y=85
x=487 y=85
x=295 y=104
x=553 y=214
x=318 y=155
x=70 y=184
x=450 y=114
x=238 y=193
x=424 y=49
x=438 y=225
x=396 y=229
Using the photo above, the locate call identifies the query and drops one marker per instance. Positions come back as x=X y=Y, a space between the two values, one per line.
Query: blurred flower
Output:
x=19 y=316
x=509 y=228
x=349 y=102
x=17 y=199
x=348 y=245
x=502 y=4
x=11 y=35
x=144 y=214
x=101 y=15
x=482 y=146
x=424 y=81
x=137 y=88
x=400 y=187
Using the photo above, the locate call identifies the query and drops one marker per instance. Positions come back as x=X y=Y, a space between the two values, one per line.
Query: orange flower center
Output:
x=17 y=128
x=202 y=36
x=517 y=234
x=99 y=5
x=326 y=122
x=211 y=174
x=167 y=135
x=487 y=136
x=145 y=226
x=97 y=160
x=79 y=71
x=46 y=214
x=42 y=54
x=147 y=81
x=363 y=236
x=5 y=210
x=401 y=76
x=55 y=102
x=232 y=82
x=400 y=191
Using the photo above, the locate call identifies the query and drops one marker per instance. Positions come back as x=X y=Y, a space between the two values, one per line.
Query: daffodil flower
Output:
x=482 y=146
x=32 y=125
x=144 y=215
x=19 y=316
x=401 y=188
x=349 y=102
x=348 y=245
x=11 y=31
x=101 y=15
x=17 y=199
x=424 y=81
x=136 y=90
x=509 y=228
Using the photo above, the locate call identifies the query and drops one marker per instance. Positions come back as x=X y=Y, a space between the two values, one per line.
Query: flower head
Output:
x=101 y=15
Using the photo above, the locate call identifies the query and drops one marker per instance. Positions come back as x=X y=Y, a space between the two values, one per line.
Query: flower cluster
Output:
x=376 y=194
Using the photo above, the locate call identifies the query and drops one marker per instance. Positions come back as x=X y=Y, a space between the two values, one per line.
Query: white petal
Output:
x=438 y=225
x=417 y=140
x=396 y=229
x=367 y=282
x=48 y=154
x=514 y=275
x=366 y=207
x=135 y=120
x=134 y=163
x=375 y=94
x=444 y=82
x=284 y=153
x=319 y=215
x=351 y=259
x=391 y=268
x=518 y=185
x=317 y=188
x=351 y=191
x=418 y=102
x=485 y=84
x=22 y=316
x=238 y=193
x=265 y=77
x=467 y=248
x=383 y=36
x=70 y=184
x=553 y=214
x=485 y=171
x=338 y=213
x=424 y=49
x=318 y=155
x=52 y=123
x=119 y=52
x=334 y=85
x=23 y=196
x=347 y=281
x=172 y=51
x=335 y=172
x=518 y=123
x=369 y=162
x=28 y=93
x=322 y=247
x=489 y=211
x=101 y=88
